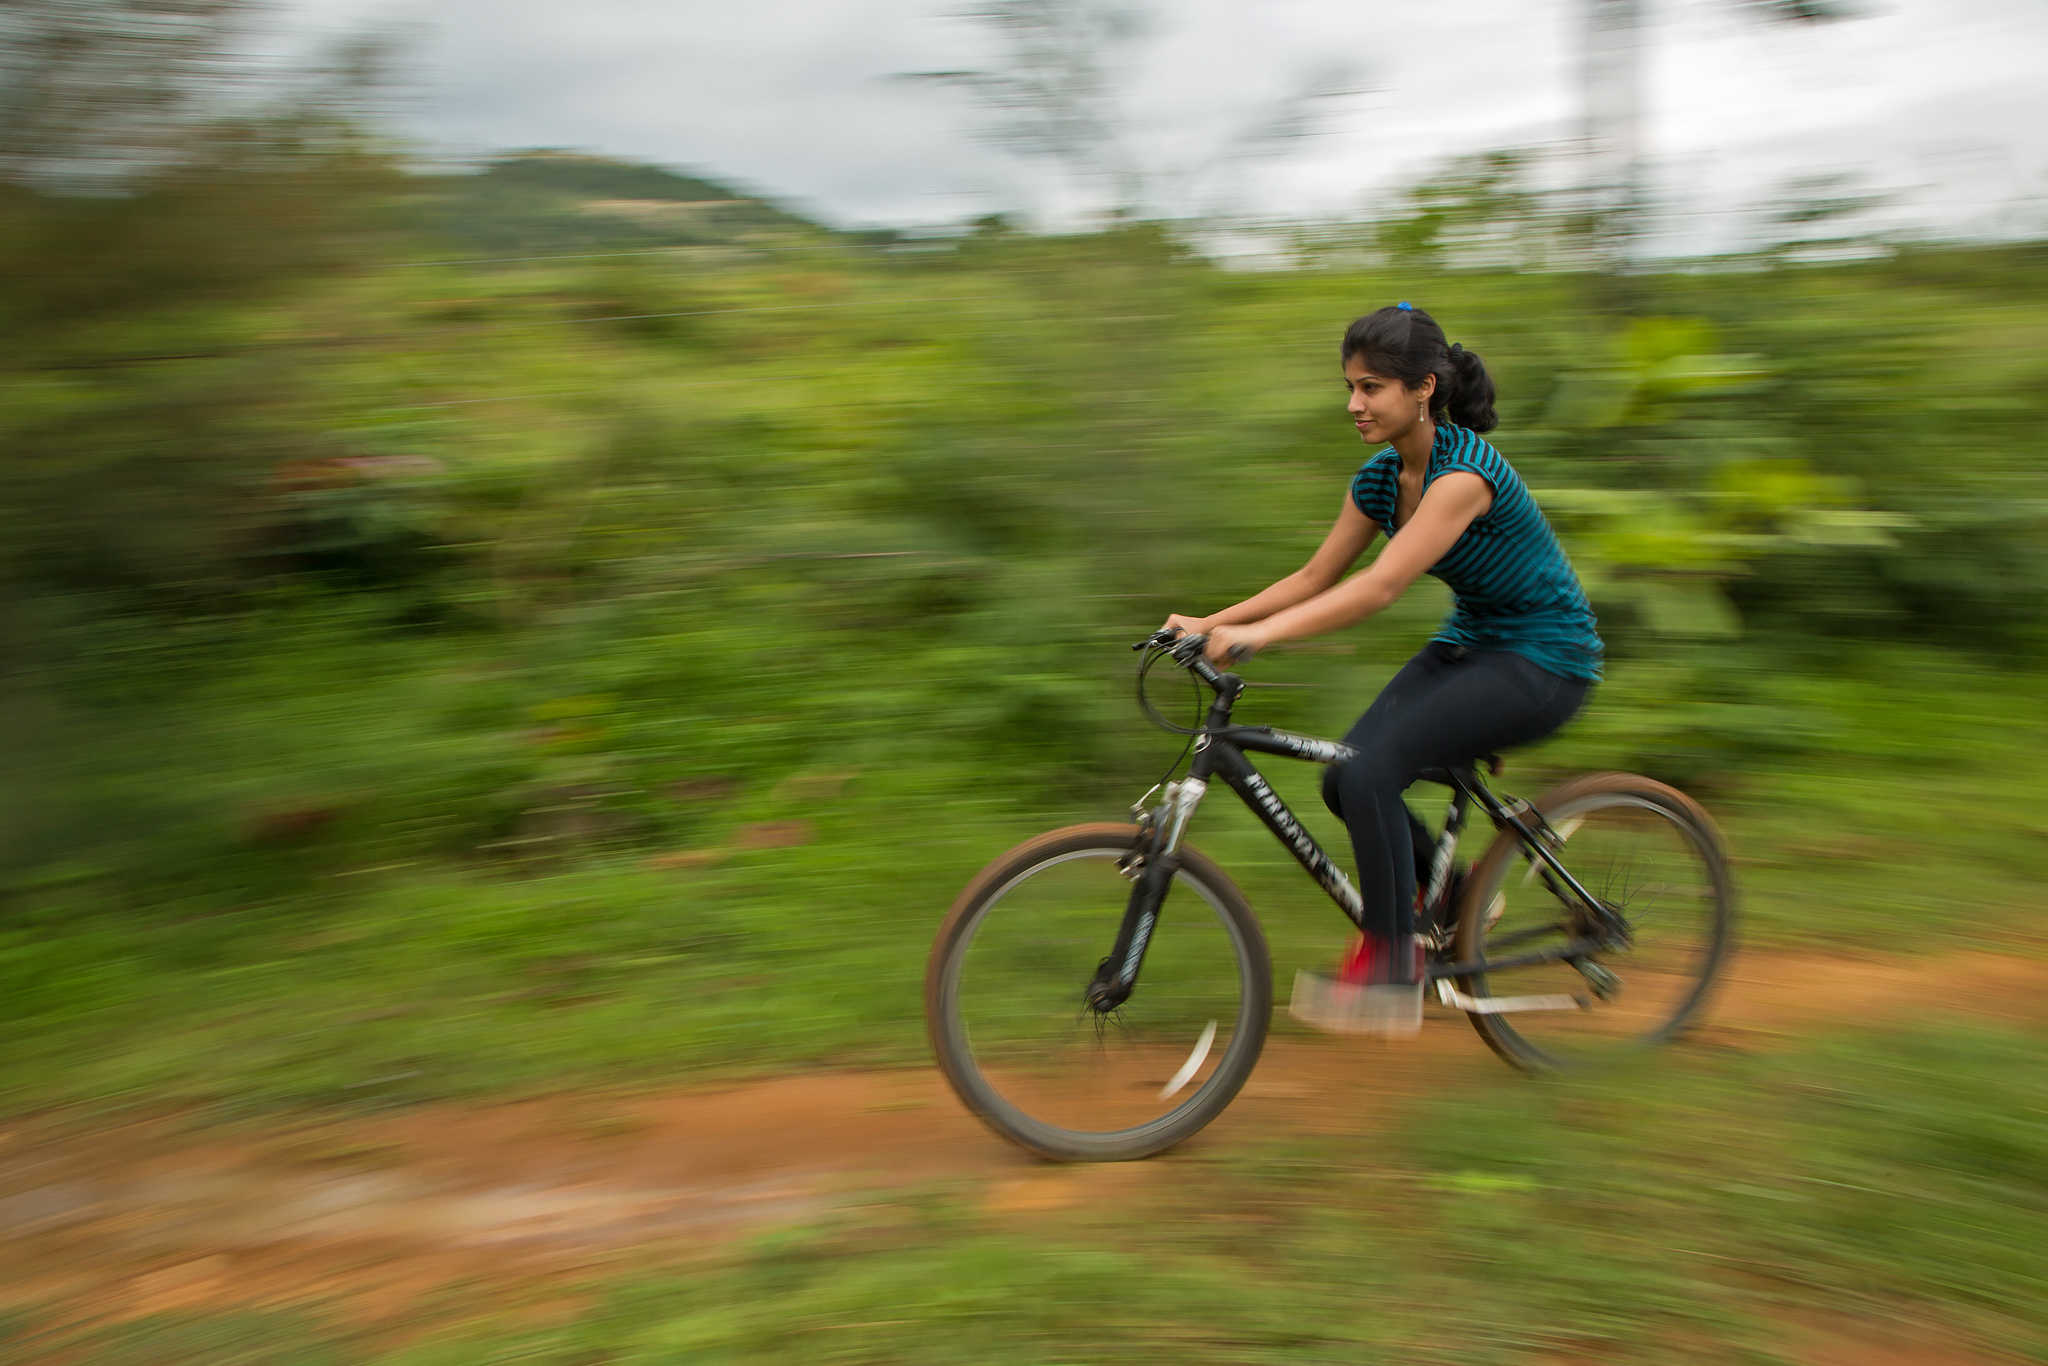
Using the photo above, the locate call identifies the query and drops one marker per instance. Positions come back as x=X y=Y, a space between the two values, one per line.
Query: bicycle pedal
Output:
x=1335 y=1007
x=1604 y=983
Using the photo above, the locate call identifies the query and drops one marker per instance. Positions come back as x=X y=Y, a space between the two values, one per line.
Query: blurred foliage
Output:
x=353 y=571
x=93 y=92
x=895 y=470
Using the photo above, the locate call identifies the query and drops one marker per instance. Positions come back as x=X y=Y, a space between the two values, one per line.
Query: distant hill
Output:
x=547 y=201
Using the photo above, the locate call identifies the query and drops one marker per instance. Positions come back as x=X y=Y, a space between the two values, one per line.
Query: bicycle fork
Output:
x=1150 y=866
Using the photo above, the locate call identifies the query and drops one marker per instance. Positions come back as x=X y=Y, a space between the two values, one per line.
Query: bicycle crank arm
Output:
x=1571 y=952
x=1501 y=1005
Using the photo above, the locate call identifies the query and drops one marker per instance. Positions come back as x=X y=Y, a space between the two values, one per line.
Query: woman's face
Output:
x=1383 y=409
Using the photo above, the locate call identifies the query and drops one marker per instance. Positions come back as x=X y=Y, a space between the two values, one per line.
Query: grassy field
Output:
x=1869 y=1191
x=433 y=678
x=784 y=921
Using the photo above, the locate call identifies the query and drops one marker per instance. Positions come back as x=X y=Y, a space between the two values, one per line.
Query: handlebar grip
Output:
x=1188 y=650
x=1192 y=650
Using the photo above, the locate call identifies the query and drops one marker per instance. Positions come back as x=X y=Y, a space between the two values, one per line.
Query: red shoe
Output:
x=1362 y=963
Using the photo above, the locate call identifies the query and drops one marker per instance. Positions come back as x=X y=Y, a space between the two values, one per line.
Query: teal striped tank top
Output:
x=1513 y=587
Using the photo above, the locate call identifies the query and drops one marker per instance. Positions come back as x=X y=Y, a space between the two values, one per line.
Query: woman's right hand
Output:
x=1194 y=626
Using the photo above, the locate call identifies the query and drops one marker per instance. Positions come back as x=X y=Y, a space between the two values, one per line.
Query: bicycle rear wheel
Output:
x=1649 y=853
x=1015 y=1037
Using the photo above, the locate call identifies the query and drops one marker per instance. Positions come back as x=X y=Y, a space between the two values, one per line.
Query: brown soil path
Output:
x=373 y=1212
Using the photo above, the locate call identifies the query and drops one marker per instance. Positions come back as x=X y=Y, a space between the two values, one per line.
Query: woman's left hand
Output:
x=1247 y=640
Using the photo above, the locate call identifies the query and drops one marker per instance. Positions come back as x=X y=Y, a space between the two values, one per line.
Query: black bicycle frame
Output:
x=1220 y=752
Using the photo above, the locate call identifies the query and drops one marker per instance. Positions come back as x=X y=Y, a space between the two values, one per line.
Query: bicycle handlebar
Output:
x=1187 y=651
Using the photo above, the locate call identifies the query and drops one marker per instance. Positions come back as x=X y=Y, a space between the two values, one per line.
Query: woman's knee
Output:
x=1332 y=796
x=1361 y=782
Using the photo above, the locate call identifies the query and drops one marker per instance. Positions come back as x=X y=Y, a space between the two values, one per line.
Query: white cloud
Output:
x=796 y=97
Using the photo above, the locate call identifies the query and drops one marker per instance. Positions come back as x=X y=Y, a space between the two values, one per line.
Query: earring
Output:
x=1423 y=415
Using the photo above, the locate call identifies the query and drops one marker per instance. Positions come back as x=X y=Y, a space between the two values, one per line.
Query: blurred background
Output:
x=545 y=544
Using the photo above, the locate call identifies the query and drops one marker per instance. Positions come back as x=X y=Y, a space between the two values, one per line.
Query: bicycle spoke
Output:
x=1661 y=914
x=1089 y=1083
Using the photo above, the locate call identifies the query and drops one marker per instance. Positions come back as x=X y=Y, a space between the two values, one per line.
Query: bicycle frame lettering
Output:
x=1224 y=757
x=1221 y=752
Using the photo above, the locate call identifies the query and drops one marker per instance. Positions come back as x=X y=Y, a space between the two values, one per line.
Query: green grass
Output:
x=531 y=875
x=199 y=1339
x=1700 y=1208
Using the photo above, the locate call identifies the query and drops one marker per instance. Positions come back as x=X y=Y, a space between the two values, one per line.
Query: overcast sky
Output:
x=1939 y=100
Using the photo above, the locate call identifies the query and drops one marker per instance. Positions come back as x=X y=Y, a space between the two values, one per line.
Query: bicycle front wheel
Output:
x=1653 y=858
x=1005 y=1000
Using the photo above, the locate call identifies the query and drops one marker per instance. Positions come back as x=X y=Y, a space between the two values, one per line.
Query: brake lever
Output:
x=1165 y=635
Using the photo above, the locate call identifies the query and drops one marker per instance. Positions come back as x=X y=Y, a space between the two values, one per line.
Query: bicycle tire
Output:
x=996 y=1094
x=1679 y=977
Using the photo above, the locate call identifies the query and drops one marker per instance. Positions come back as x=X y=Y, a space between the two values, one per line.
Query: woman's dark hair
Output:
x=1405 y=343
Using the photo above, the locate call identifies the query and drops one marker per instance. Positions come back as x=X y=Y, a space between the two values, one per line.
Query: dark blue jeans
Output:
x=1447 y=705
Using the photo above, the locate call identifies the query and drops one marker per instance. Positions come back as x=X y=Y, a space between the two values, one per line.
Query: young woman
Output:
x=1513 y=662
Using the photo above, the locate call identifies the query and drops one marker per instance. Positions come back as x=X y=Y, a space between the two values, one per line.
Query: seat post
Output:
x=1447 y=842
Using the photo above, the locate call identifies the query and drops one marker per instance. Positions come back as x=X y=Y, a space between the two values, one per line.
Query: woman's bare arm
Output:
x=1453 y=502
x=1348 y=538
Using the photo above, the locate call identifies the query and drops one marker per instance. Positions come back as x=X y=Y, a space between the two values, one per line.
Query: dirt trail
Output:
x=373 y=1212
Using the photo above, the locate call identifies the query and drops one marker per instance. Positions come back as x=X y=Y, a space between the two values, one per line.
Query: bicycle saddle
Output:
x=1443 y=775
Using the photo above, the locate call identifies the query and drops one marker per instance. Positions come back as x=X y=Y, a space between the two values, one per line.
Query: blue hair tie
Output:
x=1405 y=306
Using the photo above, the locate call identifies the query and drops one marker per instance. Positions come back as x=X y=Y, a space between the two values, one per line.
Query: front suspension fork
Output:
x=1151 y=864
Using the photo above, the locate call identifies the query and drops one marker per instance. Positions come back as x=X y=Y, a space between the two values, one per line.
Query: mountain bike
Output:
x=1595 y=921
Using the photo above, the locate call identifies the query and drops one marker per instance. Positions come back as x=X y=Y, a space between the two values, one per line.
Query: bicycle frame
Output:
x=1220 y=750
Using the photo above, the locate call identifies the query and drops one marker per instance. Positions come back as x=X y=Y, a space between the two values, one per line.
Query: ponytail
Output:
x=1470 y=401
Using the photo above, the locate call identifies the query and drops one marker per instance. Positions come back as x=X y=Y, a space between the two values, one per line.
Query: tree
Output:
x=1615 y=191
x=1062 y=91
x=95 y=92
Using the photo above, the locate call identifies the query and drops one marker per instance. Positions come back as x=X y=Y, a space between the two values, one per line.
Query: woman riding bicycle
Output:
x=1511 y=664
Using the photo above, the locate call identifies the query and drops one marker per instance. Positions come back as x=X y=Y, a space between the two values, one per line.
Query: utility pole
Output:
x=1613 y=185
